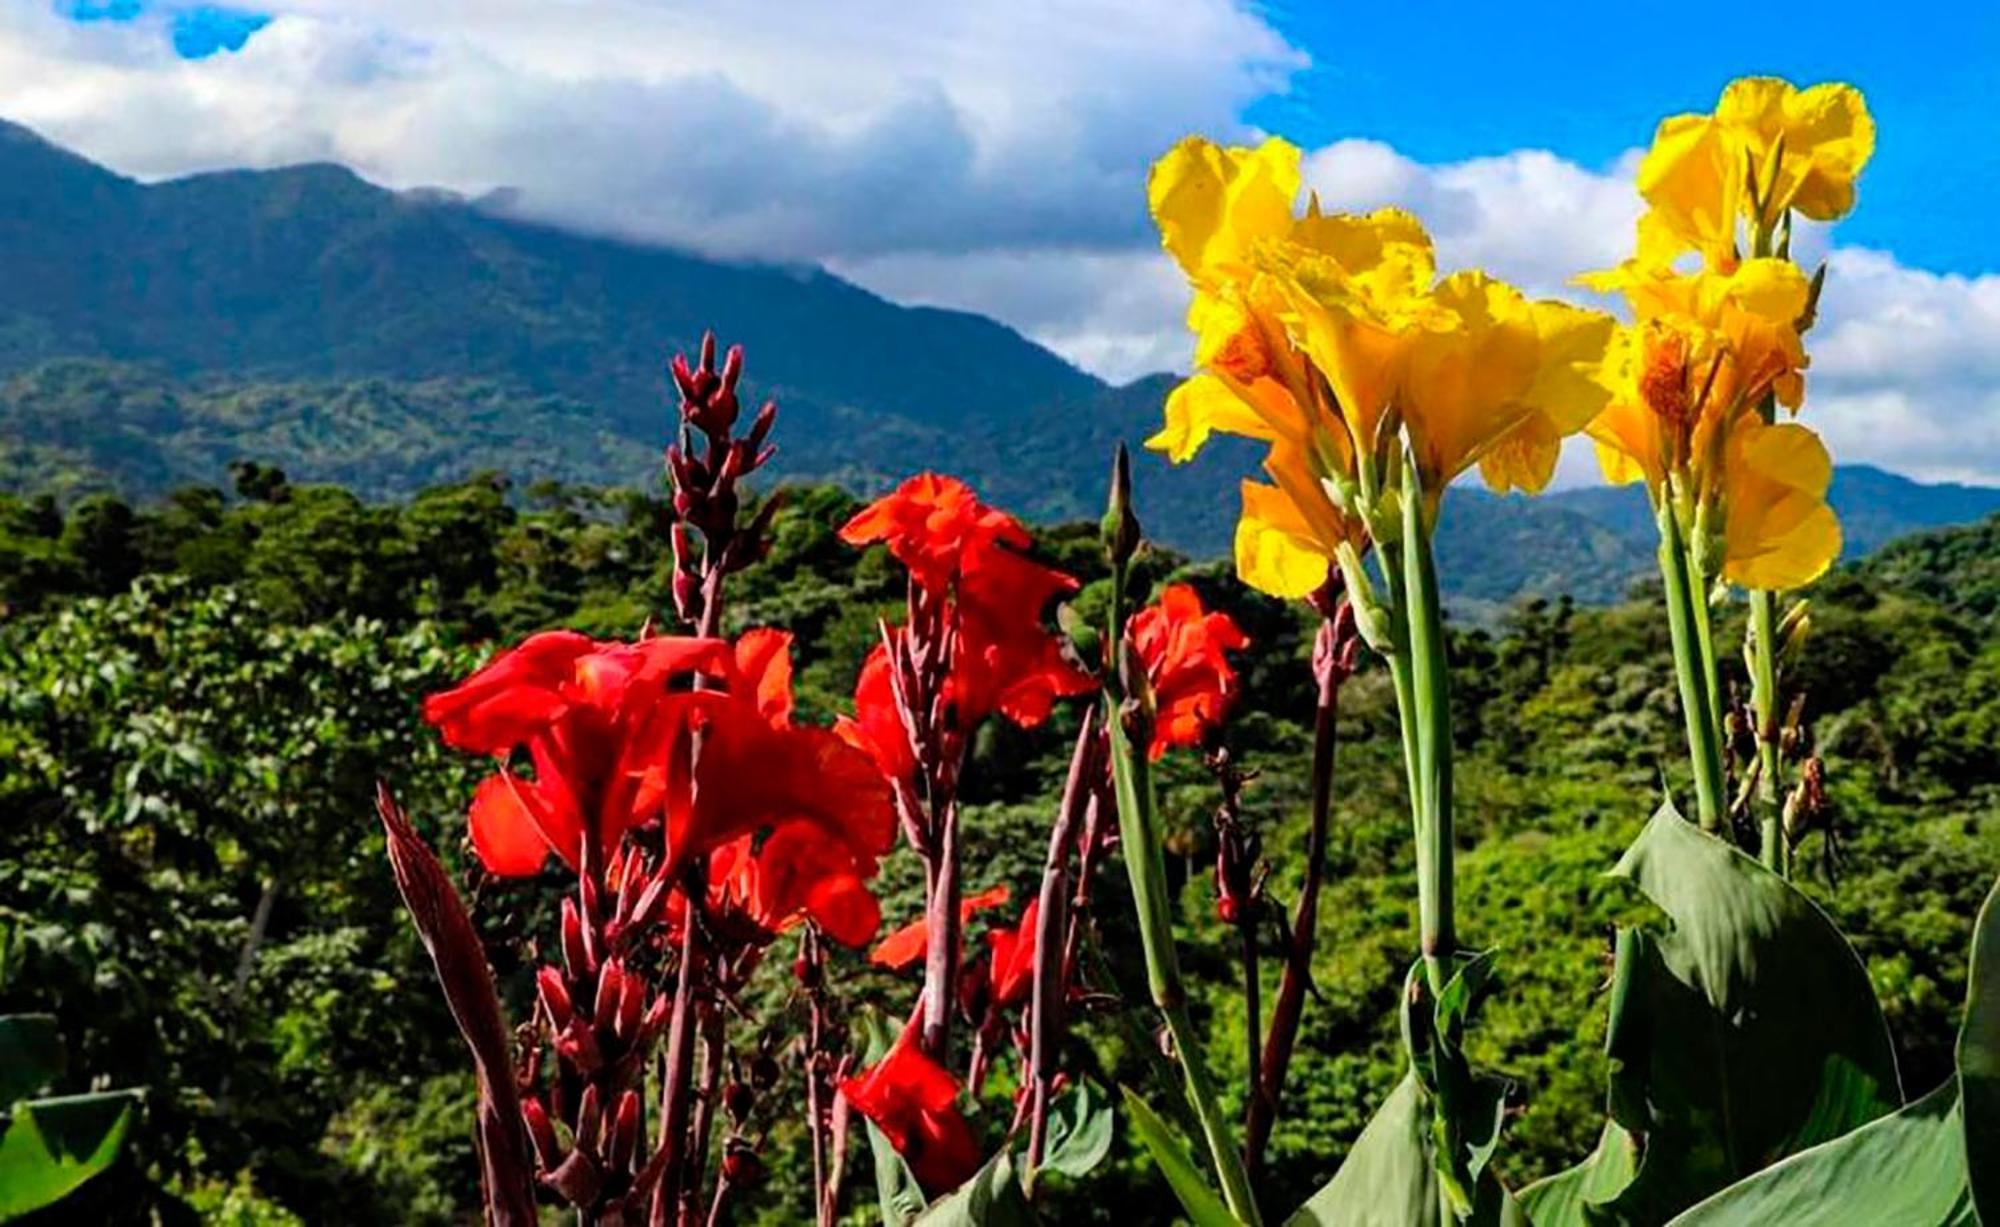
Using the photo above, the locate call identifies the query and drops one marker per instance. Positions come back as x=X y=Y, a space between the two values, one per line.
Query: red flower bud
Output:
x=624 y=1133
x=555 y=997
x=575 y=948
x=588 y=1120
x=740 y=1164
x=540 y=1131
x=631 y=1002
x=610 y=983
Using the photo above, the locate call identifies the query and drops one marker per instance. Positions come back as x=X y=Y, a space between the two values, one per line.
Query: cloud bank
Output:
x=988 y=155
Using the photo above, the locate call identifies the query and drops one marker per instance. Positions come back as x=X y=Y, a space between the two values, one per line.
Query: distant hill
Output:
x=1959 y=568
x=151 y=333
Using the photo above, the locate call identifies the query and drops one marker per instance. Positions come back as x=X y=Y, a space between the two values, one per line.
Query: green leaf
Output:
x=1203 y=1204
x=1908 y=1169
x=1389 y=1179
x=1080 y=1129
x=1745 y=1032
x=53 y=1145
x=992 y=1198
x=1560 y=1200
x=31 y=1055
x=1979 y=1061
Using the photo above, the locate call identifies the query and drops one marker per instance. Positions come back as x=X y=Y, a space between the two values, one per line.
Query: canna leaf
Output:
x=1203 y=1205
x=50 y=1147
x=1979 y=1061
x=1745 y=1032
x=1389 y=1178
x=1907 y=1168
x=992 y=1198
x=1080 y=1130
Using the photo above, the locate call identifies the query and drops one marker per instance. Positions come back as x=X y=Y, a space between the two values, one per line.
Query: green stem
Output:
x=1139 y=832
x=1430 y=713
x=1697 y=702
x=1764 y=708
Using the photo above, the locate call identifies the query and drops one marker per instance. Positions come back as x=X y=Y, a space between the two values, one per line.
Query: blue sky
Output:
x=1471 y=80
x=991 y=155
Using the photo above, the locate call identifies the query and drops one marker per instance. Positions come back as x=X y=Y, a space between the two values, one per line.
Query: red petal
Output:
x=504 y=833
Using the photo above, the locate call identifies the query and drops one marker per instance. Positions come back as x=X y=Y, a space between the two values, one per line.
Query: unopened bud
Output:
x=624 y=1141
x=806 y=972
x=575 y=949
x=610 y=983
x=555 y=997
x=1120 y=527
x=740 y=1164
x=589 y=1119
x=540 y=1131
x=631 y=1004
x=763 y=1071
x=760 y=429
x=738 y=1098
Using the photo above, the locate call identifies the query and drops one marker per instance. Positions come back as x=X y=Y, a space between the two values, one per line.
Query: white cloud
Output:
x=987 y=154
x=785 y=131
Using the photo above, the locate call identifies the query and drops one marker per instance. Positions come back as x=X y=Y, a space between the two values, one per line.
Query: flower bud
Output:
x=555 y=997
x=740 y=1164
x=540 y=1131
x=575 y=948
x=610 y=984
x=589 y=1119
x=1120 y=526
x=631 y=1004
x=624 y=1142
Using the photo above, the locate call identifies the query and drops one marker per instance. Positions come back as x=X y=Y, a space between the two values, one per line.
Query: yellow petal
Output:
x=1524 y=459
x=1692 y=182
x=1831 y=126
x=1274 y=553
x=1212 y=203
x=1198 y=407
x=1779 y=531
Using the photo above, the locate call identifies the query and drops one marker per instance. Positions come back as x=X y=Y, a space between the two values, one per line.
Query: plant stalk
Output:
x=1289 y=1005
x=1704 y=731
x=1139 y=833
x=1430 y=681
x=1764 y=708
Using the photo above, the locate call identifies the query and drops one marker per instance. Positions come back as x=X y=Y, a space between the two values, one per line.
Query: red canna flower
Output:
x=1182 y=648
x=908 y=944
x=570 y=701
x=799 y=872
x=914 y=1102
x=614 y=744
x=1011 y=957
x=958 y=548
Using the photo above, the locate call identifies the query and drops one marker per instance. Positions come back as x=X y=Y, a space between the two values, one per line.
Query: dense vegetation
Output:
x=196 y=696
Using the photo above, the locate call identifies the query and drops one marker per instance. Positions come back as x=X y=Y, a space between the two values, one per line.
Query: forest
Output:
x=198 y=696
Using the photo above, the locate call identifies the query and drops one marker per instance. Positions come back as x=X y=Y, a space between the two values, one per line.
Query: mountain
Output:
x=151 y=333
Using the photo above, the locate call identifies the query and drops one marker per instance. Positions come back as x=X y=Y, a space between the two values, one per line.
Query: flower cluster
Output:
x=1709 y=353
x=1325 y=335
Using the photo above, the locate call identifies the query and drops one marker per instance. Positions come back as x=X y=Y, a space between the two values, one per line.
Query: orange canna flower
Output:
x=914 y=1102
x=908 y=944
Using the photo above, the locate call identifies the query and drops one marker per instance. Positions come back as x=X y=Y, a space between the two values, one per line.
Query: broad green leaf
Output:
x=1979 y=1061
x=1080 y=1128
x=1907 y=1169
x=1745 y=1032
x=1389 y=1179
x=992 y=1198
x=51 y=1146
x=31 y=1055
x=1203 y=1204
x=1560 y=1200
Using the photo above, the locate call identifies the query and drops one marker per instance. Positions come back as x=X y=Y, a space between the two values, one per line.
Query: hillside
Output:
x=388 y=341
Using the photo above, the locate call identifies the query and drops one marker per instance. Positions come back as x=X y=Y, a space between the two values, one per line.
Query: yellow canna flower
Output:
x=1290 y=532
x=1509 y=370
x=1778 y=530
x=1213 y=203
x=1685 y=381
x=1768 y=148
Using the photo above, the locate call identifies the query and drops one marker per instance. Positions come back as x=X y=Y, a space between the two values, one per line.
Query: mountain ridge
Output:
x=306 y=317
